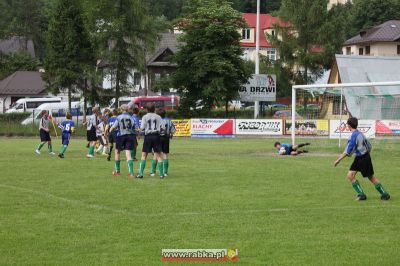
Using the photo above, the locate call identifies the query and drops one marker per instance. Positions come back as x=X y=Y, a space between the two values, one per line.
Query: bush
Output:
x=13 y=117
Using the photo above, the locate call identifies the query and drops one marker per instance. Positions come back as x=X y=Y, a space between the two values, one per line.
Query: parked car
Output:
x=30 y=104
x=57 y=111
x=285 y=114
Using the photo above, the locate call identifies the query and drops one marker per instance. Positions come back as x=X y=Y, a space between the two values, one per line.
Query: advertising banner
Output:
x=388 y=127
x=365 y=126
x=308 y=127
x=265 y=127
x=259 y=88
x=183 y=127
x=213 y=128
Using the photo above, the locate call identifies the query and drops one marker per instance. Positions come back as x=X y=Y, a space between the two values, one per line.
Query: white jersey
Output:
x=100 y=129
x=151 y=124
x=91 y=121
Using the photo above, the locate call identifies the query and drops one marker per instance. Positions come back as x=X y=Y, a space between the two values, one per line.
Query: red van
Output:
x=165 y=102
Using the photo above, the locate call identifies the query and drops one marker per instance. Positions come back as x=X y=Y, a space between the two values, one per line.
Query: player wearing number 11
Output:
x=126 y=140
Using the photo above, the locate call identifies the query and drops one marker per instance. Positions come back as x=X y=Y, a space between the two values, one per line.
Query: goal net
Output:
x=366 y=101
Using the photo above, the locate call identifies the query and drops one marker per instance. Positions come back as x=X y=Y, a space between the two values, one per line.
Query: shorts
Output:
x=112 y=138
x=126 y=142
x=288 y=151
x=151 y=143
x=65 y=139
x=364 y=165
x=91 y=134
x=44 y=135
x=164 y=144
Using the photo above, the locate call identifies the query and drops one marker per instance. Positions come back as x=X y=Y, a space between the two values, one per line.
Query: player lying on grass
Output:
x=44 y=131
x=67 y=128
x=360 y=146
x=289 y=149
x=126 y=140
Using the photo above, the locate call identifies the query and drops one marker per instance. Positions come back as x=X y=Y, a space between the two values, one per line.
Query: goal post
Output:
x=367 y=100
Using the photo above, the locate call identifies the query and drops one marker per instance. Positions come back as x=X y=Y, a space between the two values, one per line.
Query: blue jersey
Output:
x=110 y=123
x=288 y=147
x=125 y=125
x=67 y=126
x=137 y=122
x=357 y=144
x=167 y=127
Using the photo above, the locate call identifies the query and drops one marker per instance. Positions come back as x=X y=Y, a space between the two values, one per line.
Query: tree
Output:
x=210 y=67
x=70 y=52
x=369 y=13
x=128 y=32
x=250 y=6
x=301 y=45
x=21 y=61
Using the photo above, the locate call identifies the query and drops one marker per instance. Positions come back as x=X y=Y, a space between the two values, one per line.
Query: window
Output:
x=398 y=49
x=271 y=54
x=367 y=50
x=33 y=105
x=360 y=51
x=246 y=34
x=157 y=76
x=273 y=32
x=348 y=50
x=137 y=78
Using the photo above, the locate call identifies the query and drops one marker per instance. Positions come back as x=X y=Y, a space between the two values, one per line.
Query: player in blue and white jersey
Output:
x=112 y=136
x=126 y=140
x=67 y=127
x=135 y=117
x=361 y=148
x=289 y=149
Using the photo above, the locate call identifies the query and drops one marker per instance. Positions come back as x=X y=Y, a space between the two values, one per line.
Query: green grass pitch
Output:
x=232 y=193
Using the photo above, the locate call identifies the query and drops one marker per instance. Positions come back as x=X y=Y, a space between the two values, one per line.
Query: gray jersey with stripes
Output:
x=151 y=124
x=44 y=123
x=125 y=125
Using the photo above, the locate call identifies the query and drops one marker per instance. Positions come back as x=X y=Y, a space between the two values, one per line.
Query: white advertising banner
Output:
x=259 y=127
x=337 y=129
x=213 y=128
x=259 y=88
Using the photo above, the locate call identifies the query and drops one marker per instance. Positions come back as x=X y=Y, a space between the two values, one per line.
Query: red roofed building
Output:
x=248 y=41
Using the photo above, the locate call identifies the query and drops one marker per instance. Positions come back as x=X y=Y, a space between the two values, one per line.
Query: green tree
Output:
x=128 y=33
x=21 y=61
x=369 y=13
x=210 y=67
x=70 y=51
x=299 y=45
x=250 y=6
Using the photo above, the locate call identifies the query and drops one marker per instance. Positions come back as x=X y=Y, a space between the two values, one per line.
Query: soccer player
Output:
x=360 y=146
x=44 y=131
x=135 y=117
x=100 y=134
x=112 y=136
x=151 y=125
x=125 y=140
x=67 y=128
x=91 y=126
x=289 y=149
x=166 y=133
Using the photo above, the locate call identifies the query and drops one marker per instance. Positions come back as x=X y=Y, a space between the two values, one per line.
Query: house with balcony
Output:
x=381 y=40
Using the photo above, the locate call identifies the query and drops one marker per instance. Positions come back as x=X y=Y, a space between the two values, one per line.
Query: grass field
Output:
x=232 y=193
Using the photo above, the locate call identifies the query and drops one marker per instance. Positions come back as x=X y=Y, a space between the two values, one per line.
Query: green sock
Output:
x=166 y=165
x=357 y=187
x=133 y=153
x=130 y=166
x=380 y=189
x=161 y=168
x=50 y=147
x=142 y=165
x=91 y=150
x=63 y=149
x=40 y=146
x=117 y=166
x=153 y=166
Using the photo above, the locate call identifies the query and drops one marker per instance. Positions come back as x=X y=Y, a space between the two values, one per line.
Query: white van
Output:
x=30 y=104
x=58 y=111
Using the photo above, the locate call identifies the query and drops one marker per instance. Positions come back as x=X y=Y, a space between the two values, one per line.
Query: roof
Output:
x=360 y=69
x=168 y=43
x=23 y=83
x=267 y=21
x=16 y=44
x=386 y=32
